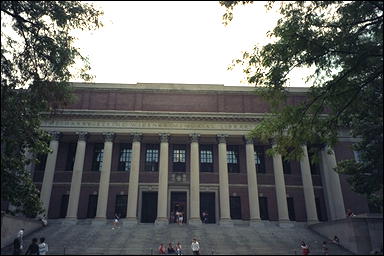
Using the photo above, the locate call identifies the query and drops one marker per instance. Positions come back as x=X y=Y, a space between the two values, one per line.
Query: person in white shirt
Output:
x=20 y=236
x=43 y=247
x=195 y=247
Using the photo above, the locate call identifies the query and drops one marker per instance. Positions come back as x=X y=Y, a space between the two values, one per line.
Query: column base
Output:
x=286 y=224
x=226 y=222
x=161 y=221
x=195 y=222
x=256 y=223
x=129 y=221
x=98 y=221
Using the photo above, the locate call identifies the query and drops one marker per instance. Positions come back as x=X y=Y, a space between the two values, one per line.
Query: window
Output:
x=152 y=158
x=287 y=167
x=206 y=158
x=97 y=160
x=260 y=159
x=40 y=166
x=233 y=159
x=178 y=158
x=71 y=156
x=125 y=157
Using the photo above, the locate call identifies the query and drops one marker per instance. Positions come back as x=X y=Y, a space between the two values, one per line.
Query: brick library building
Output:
x=146 y=151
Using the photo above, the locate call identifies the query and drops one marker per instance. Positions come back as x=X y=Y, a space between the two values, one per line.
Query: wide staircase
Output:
x=144 y=239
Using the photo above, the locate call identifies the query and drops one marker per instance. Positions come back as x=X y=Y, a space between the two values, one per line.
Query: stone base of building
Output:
x=129 y=221
x=256 y=223
x=161 y=221
x=194 y=221
x=99 y=221
x=286 y=224
x=226 y=222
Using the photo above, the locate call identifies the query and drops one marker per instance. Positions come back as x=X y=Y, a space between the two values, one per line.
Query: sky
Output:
x=174 y=42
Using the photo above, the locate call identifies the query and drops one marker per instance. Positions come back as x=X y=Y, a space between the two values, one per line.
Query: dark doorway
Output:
x=64 y=206
x=263 y=203
x=208 y=204
x=235 y=205
x=320 y=215
x=178 y=203
x=291 y=209
x=149 y=207
x=121 y=205
x=92 y=206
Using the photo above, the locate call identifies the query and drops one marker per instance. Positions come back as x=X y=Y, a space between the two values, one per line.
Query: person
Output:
x=43 y=246
x=195 y=247
x=16 y=246
x=336 y=240
x=177 y=217
x=116 y=221
x=304 y=247
x=44 y=221
x=20 y=236
x=205 y=217
x=170 y=249
x=350 y=213
x=178 y=249
x=324 y=248
x=161 y=249
x=181 y=218
x=33 y=248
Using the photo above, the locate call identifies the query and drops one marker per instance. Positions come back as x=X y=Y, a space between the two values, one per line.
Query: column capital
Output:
x=108 y=136
x=55 y=135
x=137 y=137
x=222 y=138
x=164 y=137
x=248 y=140
x=194 y=137
x=82 y=136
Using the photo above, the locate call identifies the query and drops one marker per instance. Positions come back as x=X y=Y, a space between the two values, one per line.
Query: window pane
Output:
x=98 y=154
x=260 y=159
x=125 y=158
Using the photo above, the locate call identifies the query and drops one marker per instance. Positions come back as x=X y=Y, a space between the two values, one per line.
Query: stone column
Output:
x=281 y=195
x=253 y=193
x=49 y=172
x=162 y=199
x=332 y=185
x=309 y=195
x=74 y=194
x=225 y=215
x=134 y=180
x=195 y=181
x=102 y=199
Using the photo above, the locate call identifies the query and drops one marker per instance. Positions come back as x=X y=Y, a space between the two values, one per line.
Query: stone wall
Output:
x=360 y=234
x=10 y=225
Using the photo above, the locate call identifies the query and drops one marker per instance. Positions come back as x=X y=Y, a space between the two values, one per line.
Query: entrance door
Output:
x=263 y=206
x=235 y=207
x=178 y=204
x=148 y=207
x=291 y=209
x=121 y=205
x=208 y=204
x=64 y=206
x=92 y=206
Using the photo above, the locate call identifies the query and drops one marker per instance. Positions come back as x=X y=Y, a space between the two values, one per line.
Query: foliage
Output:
x=343 y=42
x=37 y=53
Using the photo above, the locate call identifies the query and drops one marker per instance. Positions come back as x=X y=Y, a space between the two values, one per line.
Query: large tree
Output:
x=37 y=56
x=343 y=43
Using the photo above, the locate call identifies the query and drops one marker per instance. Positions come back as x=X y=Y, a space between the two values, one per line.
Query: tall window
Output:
x=233 y=159
x=97 y=160
x=206 y=158
x=71 y=156
x=178 y=158
x=260 y=159
x=152 y=158
x=40 y=166
x=287 y=167
x=125 y=157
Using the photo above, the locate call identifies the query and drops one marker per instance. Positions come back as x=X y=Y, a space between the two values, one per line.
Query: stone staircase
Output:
x=144 y=239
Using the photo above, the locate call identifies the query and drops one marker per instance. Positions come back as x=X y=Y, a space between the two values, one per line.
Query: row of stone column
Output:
x=332 y=187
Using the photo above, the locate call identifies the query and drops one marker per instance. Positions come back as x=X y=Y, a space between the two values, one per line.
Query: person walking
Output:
x=20 y=236
x=33 y=248
x=195 y=247
x=43 y=246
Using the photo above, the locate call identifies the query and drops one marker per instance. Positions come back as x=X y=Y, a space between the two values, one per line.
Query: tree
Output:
x=37 y=54
x=343 y=42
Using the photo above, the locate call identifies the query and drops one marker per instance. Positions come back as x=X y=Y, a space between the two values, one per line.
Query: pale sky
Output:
x=174 y=42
